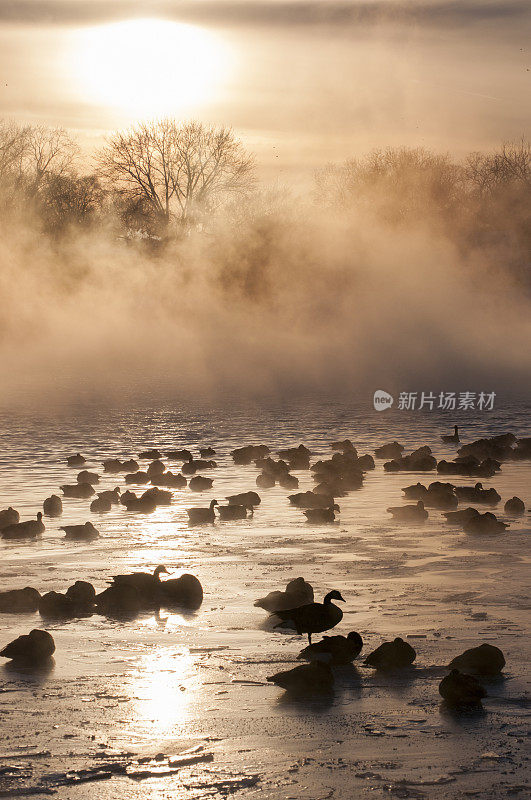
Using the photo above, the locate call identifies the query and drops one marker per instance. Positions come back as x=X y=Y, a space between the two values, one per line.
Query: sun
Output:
x=149 y=66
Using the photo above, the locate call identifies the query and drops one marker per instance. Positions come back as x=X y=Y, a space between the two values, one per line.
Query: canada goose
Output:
x=34 y=648
x=310 y=500
x=229 y=513
x=483 y=660
x=145 y=584
x=202 y=515
x=200 y=484
x=53 y=506
x=114 y=465
x=458 y=689
x=514 y=506
x=112 y=495
x=416 y=492
x=314 y=617
x=453 y=438
x=161 y=497
x=137 y=478
x=141 y=505
x=75 y=461
x=391 y=450
x=169 y=479
x=391 y=655
x=206 y=452
x=24 y=530
x=193 y=466
x=288 y=481
x=179 y=455
x=484 y=523
x=88 y=477
x=80 y=491
x=315 y=677
x=183 y=591
x=345 y=446
x=298 y=593
x=460 y=517
x=81 y=533
x=421 y=460
x=78 y=601
x=82 y=594
x=100 y=505
x=19 y=601
x=244 y=499
x=334 y=650
x=155 y=468
x=497 y=447
x=333 y=488
x=151 y=454
x=477 y=494
x=317 y=515
x=415 y=513
x=297 y=457
x=246 y=455
x=119 y=600
x=265 y=480
x=8 y=516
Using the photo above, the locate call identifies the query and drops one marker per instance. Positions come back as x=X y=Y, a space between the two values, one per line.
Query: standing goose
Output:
x=313 y=617
x=202 y=515
x=453 y=438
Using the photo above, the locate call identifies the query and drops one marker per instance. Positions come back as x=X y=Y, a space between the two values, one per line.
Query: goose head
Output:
x=158 y=570
x=212 y=504
x=39 y=516
x=334 y=595
x=420 y=505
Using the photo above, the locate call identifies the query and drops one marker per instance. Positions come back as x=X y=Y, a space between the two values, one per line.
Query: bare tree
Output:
x=508 y=167
x=180 y=170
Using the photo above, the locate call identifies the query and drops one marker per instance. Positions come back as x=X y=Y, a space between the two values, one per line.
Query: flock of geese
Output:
x=294 y=608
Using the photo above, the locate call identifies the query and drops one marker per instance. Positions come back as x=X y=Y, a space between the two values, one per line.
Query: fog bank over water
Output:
x=311 y=301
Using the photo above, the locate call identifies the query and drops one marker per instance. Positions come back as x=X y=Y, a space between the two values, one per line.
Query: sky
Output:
x=303 y=82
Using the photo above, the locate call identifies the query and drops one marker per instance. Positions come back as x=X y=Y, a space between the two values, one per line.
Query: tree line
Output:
x=158 y=179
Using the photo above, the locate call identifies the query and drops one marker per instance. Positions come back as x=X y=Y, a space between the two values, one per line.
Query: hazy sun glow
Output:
x=149 y=66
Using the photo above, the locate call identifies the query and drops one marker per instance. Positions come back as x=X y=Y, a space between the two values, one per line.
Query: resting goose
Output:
x=169 y=479
x=207 y=452
x=155 y=468
x=202 y=515
x=112 y=495
x=335 y=650
x=314 y=617
x=298 y=593
x=141 y=505
x=53 y=506
x=179 y=455
x=229 y=513
x=200 y=484
x=391 y=655
x=8 y=516
x=391 y=450
x=24 y=530
x=453 y=438
x=88 y=477
x=305 y=679
x=78 y=601
x=81 y=491
x=100 y=505
x=460 y=517
x=458 y=689
x=477 y=494
x=310 y=500
x=317 y=515
x=415 y=513
x=19 y=601
x=244 y=499
x=484 y=523
x=151 y=454
x=145 y=584
x=483 y=660
x=265 y=480
x=75 y=461
x=80 y=533
x=514 y=506
x=183 y=591
x=138 y=478
x=288 y=481
x=34 y=648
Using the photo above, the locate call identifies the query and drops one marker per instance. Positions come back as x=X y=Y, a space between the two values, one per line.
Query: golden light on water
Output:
x=149 y=67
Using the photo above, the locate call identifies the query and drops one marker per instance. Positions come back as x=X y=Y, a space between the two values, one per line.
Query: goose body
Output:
x=313 y=617
x=483 y=660
x=206 y=452
x=193 y=466
x=88 y=477
x=321 y=515
x=142 y=505
x=298 y=593
x=155 y=468
x=265 y=480
x=179 y=455
x=315 y=677
x=169 y=479
x=75 y=461
x=228 y=513
x=138 y=478
x=114 y=465
x=183 y=591
x=391 y=450
x=335 y=650
x=244 y=499
x=24 y=530
x=8 y=516
x=146 y=584
x=198 y=516
x=477 y=494
x=112 y=495
x=460 y=517
x=33 y=648
x=100 y=505
x=391 y=655
x=152 y=454
x=80 y=491
x=200 y=484
x=514 y=506
x=453 y=438
x=458 y=689
x=310 y=500
x=484 y=523
x=415 y=513
x=81 y=533
x=288 y=481
x=53 y=506
x=19 y=601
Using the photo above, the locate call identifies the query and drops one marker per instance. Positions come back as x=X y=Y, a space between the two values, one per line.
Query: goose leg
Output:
x=309 y=638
